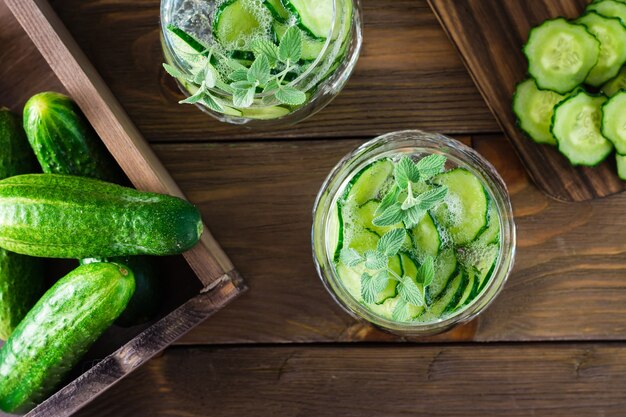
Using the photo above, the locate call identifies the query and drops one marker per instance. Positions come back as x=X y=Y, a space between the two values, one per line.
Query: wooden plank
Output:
x=556 y=380
x=489 y=35
x=568 y=281
x=408 y=76
x=106 y=115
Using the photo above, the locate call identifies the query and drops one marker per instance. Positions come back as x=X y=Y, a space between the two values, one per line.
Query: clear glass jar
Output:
x=418 y=144
x=321 y=80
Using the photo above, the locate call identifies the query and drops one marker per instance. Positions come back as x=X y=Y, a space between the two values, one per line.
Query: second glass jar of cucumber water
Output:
x=261 y=62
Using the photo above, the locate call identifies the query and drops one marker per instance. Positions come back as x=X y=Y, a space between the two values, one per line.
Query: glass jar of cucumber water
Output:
x=413 y=232
x=261 y=62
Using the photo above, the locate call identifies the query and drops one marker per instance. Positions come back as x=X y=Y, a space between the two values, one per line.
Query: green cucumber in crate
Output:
x=61 y=216
x=58 y=331
x=21 y=277
x=66 y=144
x=63 y=140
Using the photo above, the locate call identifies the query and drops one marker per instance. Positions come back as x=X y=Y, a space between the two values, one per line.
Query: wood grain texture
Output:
x=489 y=34
x=106 y=115
x=555 y=380
x=408 y=76
x=568 y=282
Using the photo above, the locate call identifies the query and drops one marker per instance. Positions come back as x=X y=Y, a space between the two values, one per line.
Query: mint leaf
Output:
x=380 y=280
x=406 y=171
x=194 y=98
x=431 y=165
x=413 y=216
x=391 y=242
x=259 y=71
x=239 y=75
x=400 y=312
x=290 y=96
x=268 y=49
x=375 y=260
x=410 y=292
x=410 y=200
x=242 y=85
x=243 y=97
x=392 y=215
x=290 y=48
x=351 y=257
x=199 y=76
x=426 y=272
x=210 y=77
x=233 y=64
x=174 y=72
x=388 y=200
x=209 y=101
x=368 y=290
x=432 y=197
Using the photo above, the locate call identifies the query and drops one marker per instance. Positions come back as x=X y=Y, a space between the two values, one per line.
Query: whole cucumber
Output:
x=21 y=277
x=55 y=334
x=63 y=140
x=66 y=144
x=62 y=216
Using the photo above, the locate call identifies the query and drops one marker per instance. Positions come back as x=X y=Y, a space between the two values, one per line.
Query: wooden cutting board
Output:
x=489 y=35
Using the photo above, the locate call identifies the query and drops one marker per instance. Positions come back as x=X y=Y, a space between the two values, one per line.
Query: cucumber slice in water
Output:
x=612 y=36
x=534 y=108
x=492 y=233
x=560 y=54
x=614 y=121
x=450 y=297
x=187 y=47
x=621 y=166
x=618 y=83
x=409 y=266
x=426 y=238
x=609 y=8
x=368 y=183
x=314 y=17
x=445 y=268
x=464 y=212
x=235 y=24
x=364 y=216
x=387 y=309
x=576 y=126
x=471 y=290
x=265 y=113
x=278 y=11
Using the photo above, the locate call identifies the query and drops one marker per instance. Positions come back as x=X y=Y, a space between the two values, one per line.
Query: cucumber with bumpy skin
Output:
x=576 y=126
x=61 y=216
x=21 y=277
x=63 y=140
x=55 y=334
x=614 y=121
x=560 y=55
x=621 y=166
x=609 y=8
x=616 y=84
x=534 y=108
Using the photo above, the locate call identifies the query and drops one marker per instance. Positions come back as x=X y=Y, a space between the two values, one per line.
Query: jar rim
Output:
x=411 y=140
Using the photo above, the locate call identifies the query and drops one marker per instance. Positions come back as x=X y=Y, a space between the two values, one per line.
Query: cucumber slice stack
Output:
x=573 y=67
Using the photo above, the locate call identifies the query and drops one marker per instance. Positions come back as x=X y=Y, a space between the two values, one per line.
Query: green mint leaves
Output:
x=401 y=204
x=267 y=74
x=402 y=208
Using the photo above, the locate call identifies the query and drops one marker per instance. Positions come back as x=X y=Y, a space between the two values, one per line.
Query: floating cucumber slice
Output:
x=409 y=266
x=445 y=268
x=450 y=297
x=492 y=233
x=364 y=216
x=464 y=212
x=560 y=54
x=576 y=126
x=187 y=47
x=265 y=113
x=278 y=11
x=314 y=17
x=614 y=121
x=426 y=238
x=534 y=108
x=618 y=83
x=235 y=24
x=367 y=184
x=470 y=292
x=387 y=309
x=612 y=36
x=621 y=166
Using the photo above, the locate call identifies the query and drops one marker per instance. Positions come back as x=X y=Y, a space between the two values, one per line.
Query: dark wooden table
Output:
x=552 y=344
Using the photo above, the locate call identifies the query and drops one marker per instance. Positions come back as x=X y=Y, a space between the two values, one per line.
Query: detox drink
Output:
x=413 y=233
x=258 y=62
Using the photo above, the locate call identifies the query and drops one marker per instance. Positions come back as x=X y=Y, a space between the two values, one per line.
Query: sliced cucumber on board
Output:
x=614 y=121
x=609 y=8
x=621 y=166
x=618 y=83
x=534 y=108
x=560 y=54
x=464 y=212
x=612 y=36
x=576 y=125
